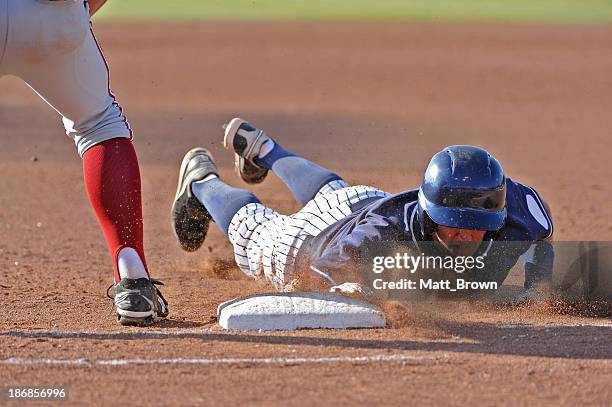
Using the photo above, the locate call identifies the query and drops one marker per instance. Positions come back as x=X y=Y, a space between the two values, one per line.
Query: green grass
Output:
x=558 y=11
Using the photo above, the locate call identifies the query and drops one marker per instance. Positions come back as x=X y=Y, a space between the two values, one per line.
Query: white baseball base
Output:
x=297 y=310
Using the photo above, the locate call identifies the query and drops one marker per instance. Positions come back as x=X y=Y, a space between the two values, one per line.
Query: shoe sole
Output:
x=240 y=162
x=231 y=128
x=129 y=321
x=135 y=318
x=181 y=190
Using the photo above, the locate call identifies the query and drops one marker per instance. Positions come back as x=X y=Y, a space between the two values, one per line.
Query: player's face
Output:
x=460 y=242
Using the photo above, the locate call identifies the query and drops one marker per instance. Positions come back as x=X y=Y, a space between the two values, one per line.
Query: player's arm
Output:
x=549 y=213
x=533 y=215
x=95 y=5
x=539 y=267
x=336 y=261
x=344 y=261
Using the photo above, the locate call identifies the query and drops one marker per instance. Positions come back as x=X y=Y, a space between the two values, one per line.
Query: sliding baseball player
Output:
x=464 y=204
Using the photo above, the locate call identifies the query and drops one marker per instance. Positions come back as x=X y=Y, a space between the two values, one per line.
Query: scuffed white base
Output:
x=301 y=310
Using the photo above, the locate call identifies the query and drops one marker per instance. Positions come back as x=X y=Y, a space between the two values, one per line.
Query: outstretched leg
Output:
x=256 y=153
x=265 y=242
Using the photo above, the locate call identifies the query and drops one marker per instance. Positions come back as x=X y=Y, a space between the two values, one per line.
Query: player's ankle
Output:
x=273 y=153
x=265 y=149
x=130 y=265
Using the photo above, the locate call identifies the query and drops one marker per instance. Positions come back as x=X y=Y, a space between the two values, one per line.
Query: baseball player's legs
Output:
x=267 y=243
x=67 y=69
x=251 y=227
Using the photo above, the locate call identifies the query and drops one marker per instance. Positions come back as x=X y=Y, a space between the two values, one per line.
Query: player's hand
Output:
x=353 y=290
x=522 y=298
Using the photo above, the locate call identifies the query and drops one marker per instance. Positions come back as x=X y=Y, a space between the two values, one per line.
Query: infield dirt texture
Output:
x=372 y=101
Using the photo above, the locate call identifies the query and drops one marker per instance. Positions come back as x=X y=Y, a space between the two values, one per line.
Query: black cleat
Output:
x=139 y=302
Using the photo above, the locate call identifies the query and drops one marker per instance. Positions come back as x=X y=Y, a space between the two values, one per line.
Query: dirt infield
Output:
x=371 y=101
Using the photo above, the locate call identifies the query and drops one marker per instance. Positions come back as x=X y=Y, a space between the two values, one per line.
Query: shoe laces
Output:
x=159 y=294
x=152 y=280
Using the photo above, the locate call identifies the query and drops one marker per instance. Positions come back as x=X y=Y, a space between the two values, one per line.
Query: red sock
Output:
x=112 y=179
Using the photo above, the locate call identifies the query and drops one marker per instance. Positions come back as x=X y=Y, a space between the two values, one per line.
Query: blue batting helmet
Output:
x=463 y=187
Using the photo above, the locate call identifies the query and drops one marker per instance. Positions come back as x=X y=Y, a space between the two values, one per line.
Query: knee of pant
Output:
x=85 y=143
x=96 y=129
x=331 y=186
x=251 y=218
x=239 y=226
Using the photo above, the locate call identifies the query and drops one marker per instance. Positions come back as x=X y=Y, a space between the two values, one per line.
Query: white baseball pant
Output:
x=51 y=46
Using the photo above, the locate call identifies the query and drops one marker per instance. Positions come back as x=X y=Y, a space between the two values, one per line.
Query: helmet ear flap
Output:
x=428 y=226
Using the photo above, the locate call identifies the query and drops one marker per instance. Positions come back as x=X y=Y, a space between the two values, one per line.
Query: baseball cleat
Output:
x=138 y=301
x=246 y=142
x=190 y=219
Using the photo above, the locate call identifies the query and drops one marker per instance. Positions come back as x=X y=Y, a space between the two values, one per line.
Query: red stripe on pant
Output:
x=112 y=180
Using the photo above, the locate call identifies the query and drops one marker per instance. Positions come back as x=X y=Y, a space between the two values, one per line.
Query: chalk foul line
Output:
x=406 y=359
